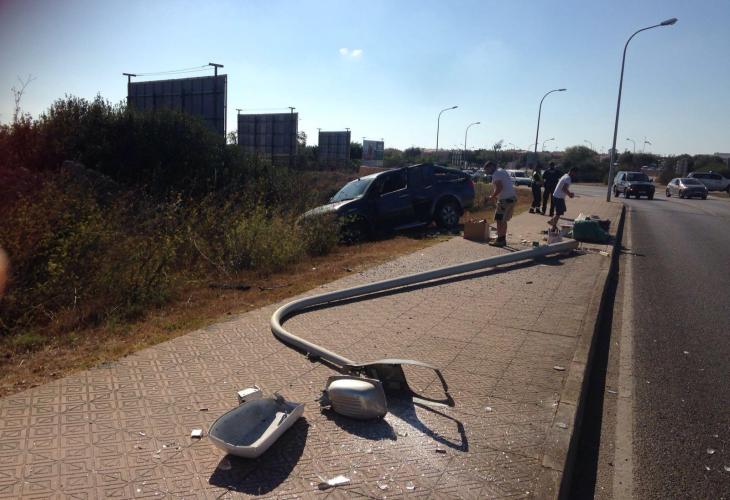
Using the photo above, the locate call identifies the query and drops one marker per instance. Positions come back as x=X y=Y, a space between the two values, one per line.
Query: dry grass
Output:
x=199 y=305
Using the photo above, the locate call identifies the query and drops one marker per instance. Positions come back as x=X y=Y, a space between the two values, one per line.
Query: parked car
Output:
x=633 y=184
x=400 y=199
x=711 y=180
x=520 y=178
x=686 y=187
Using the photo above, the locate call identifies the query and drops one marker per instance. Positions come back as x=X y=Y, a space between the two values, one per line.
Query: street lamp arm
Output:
x=438 y=124
x=668 y=22
x=539 y=112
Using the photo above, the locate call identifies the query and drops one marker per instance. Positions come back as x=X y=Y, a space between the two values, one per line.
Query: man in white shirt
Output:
x=561 y=191
x=504 y=192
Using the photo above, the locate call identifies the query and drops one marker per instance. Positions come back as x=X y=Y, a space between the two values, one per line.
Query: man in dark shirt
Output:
x=550 y=180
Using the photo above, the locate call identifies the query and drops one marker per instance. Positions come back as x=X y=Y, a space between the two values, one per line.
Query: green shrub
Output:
x=320 y=235
x=266 y=243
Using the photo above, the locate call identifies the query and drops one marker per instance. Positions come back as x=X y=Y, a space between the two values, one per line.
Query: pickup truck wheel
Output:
x=447 y=214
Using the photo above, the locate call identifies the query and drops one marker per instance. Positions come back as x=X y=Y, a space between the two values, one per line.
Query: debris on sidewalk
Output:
x=196 y=433
x=561 y=425
x=559 y=368
x=335 y=481
x=249 y=394
x=711 y=451
x=410 y=486
x=251 y=428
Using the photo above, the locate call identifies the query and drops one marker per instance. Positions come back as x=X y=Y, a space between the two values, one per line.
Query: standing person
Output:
x=561 y=191
x=550 y=179
x=504 y=192
x=536 y=187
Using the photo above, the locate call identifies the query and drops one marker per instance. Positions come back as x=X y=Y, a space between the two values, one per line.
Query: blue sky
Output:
x=405 y=61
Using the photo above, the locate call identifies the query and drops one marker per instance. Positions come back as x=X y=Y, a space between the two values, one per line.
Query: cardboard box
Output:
x=476 y=231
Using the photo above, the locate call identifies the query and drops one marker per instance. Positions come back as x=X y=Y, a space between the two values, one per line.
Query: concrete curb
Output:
x=564 y=434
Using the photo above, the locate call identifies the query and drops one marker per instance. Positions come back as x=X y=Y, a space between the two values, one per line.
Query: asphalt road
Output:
x=680 y=265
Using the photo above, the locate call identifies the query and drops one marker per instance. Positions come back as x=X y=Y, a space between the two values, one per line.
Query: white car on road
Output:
x=712 y=181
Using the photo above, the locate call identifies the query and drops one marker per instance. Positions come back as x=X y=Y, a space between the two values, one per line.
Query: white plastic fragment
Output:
x=410 y=486
x=336 y=481
x=611 y=391
x=559 y=368
x=561 y=425
x=196 y=433
x=710 y=451
x=727 y=468
x=249 y=394
x=488 y=408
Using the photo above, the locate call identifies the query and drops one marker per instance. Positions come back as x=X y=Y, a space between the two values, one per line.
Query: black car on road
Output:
x=635 y=184
x=399 y=199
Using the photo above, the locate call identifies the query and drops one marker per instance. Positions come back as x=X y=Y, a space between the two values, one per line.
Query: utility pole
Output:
x=215 y=68
x=129 y=84
x=294 y=144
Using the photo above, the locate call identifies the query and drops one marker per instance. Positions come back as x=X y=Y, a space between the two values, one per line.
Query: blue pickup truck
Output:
x=399 y=199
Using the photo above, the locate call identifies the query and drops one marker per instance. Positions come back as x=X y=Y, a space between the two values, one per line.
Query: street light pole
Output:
x=438 y=124
x=643 y=147
x=633 y=142
x=539 y=113
x=668 y=22
x=546 y=140
x=590 y=143
x=465 y=135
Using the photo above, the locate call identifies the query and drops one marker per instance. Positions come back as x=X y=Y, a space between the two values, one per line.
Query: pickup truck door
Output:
x=393 y=202
x=420 y=187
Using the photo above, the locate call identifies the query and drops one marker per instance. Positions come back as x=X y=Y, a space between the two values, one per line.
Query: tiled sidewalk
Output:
x=123 y=430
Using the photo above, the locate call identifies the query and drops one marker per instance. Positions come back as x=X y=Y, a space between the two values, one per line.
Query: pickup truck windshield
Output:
x=637 y=177
x=353 y=189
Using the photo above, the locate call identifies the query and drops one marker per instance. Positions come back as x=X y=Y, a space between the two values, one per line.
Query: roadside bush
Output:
x=105 y=209
x=320 y=235
x=262 y=242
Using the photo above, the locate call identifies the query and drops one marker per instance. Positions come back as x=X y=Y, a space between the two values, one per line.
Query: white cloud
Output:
x=353 y=54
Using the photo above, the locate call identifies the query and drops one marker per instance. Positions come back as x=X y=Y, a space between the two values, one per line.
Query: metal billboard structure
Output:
x=272 y=135
x=372 y=153
x=334 y=149
x=203 y=96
